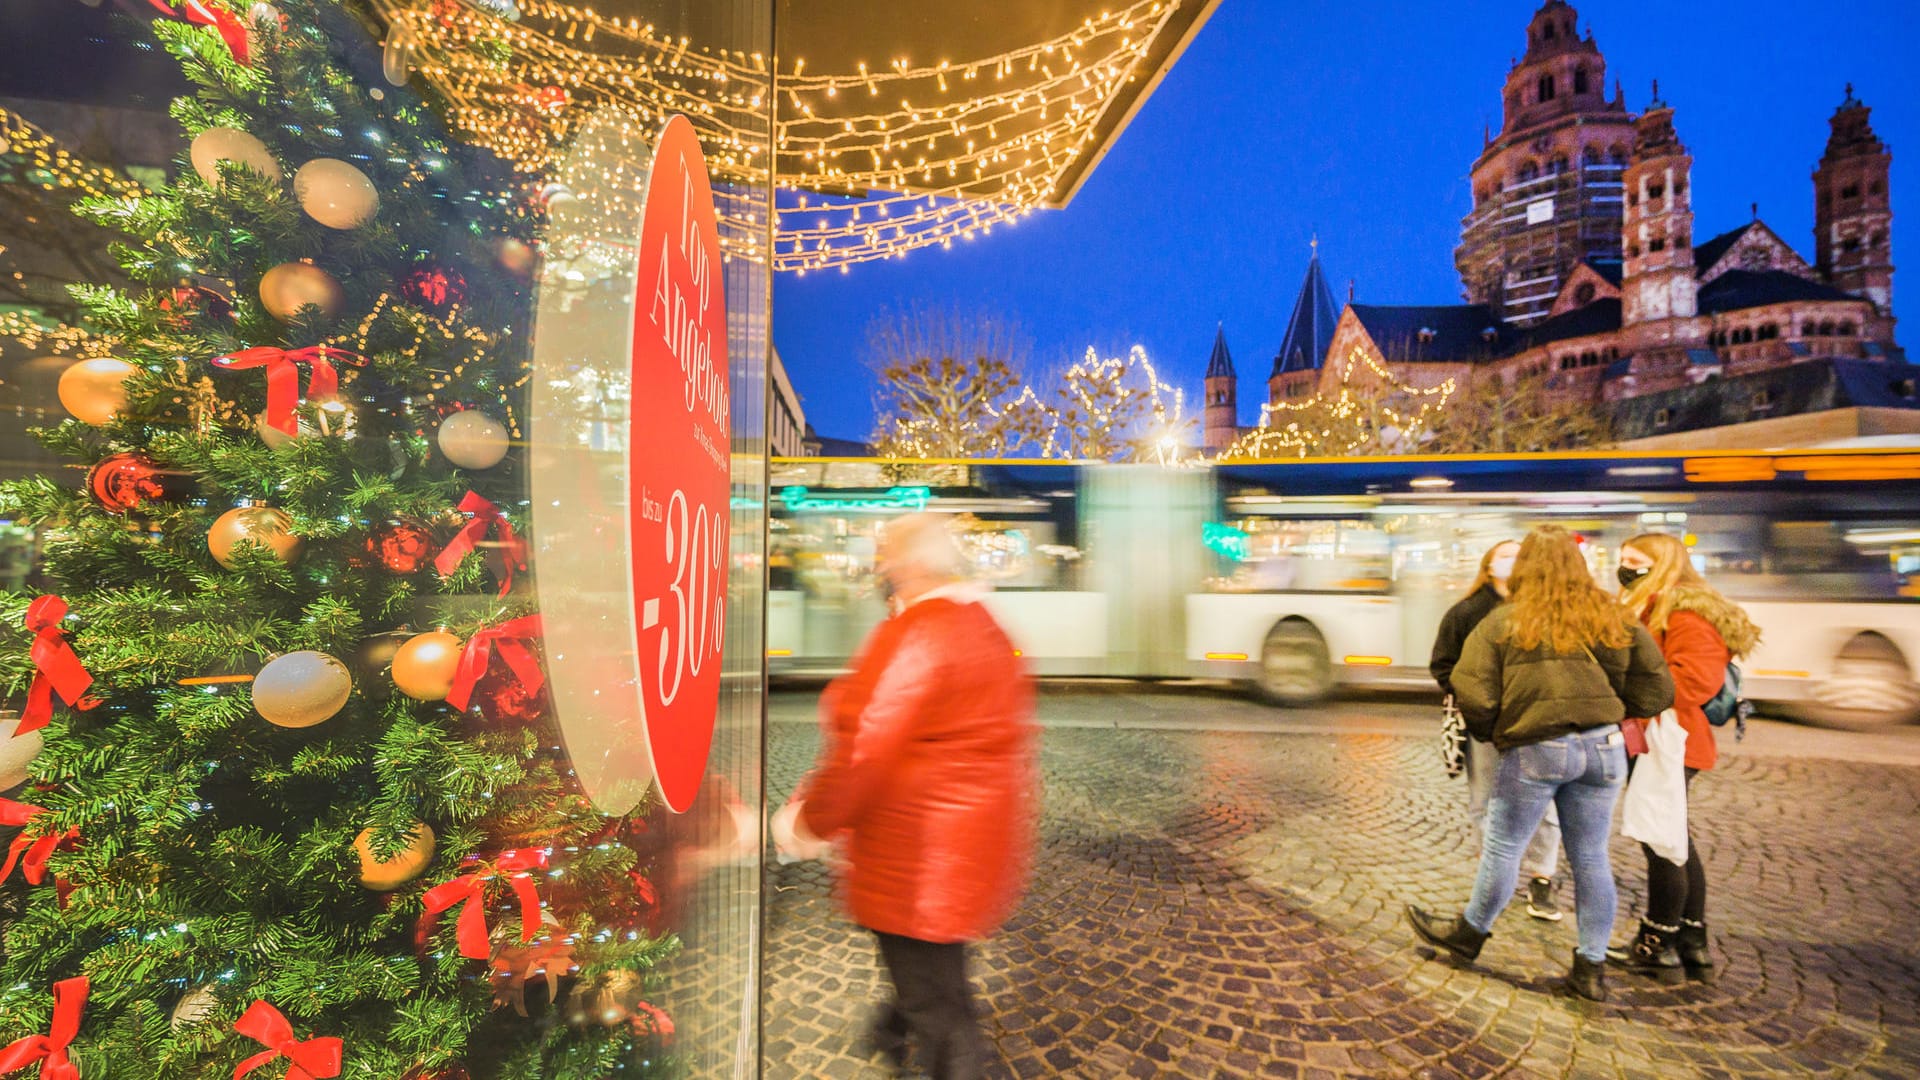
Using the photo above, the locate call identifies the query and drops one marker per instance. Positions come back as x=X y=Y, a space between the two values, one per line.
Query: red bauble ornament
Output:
x=127 y=481
x=552 y=99
x=401 y=546
x=433 y=288
x=502 y=699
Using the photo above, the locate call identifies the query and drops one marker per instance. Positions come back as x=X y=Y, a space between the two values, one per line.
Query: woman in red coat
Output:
x=1699 y=632
x=928 y=777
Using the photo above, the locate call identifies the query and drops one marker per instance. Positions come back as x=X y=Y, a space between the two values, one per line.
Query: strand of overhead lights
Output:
x=896 y=158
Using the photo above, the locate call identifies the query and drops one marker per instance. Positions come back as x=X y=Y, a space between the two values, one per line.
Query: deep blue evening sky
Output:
x=1361 y=122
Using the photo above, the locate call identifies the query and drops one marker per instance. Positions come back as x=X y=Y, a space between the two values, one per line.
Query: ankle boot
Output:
x=1651 y=952
x=1691 y=944
x=1453 y=935
x=1588 y=979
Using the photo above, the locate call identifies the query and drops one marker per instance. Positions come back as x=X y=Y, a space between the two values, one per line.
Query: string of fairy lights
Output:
x=35 y=158
x=1385 y=414
x=870 y=163
x=1123 y=402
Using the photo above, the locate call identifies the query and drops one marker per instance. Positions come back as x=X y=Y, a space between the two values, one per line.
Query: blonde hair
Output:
x=1485 y=577
x=1672 y=583
x=1555 y=602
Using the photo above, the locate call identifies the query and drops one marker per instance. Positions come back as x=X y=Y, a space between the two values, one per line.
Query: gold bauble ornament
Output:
x=301 y=689
x=288 y=288
x=198 y=1005
x=217 y=144
x=423 y=668
x=472 y=440
x=263 y=525
x=95 y=390
x=335 y=194
x=16 y=751
x=386 y=875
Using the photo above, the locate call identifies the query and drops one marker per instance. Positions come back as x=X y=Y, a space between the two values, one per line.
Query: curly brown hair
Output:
x=1555 y=602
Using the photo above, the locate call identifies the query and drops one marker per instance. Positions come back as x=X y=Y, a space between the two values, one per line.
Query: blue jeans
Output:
x=1581 y=775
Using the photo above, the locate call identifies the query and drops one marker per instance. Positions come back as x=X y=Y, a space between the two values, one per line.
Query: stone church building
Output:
x=1579 y=261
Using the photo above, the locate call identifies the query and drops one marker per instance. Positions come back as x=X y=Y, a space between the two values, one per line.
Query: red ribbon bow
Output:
x=470 y=890
x=232 y=30
x=510 y=638
x=37 y=849
x=56 y=668
x=314 y=1059
x=283 y=377
x=50 y=1050
x=485 y=514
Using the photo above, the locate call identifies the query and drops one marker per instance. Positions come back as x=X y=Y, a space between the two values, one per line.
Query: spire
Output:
x=1310 y=330
x=1656 y=103
x=1220 y=364
x=1852 y=134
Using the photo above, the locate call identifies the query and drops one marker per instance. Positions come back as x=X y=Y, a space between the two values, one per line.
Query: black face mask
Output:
x=1630 y=574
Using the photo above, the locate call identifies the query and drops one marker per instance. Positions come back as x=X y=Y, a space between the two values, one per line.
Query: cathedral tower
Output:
x=1547 y=185
x=1853 y=214
x=1223 y=396
x=1657 y=279
x=1658 y=289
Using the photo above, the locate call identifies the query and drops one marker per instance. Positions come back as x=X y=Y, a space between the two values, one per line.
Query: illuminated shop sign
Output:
x=893 y=500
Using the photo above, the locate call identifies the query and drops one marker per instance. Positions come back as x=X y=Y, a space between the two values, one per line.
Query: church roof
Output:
x=1600 y=317
x=1310 y=330
x=1220 y=364
x=1705 y=255
x=1811 y=386
x=1737 y=289
x=1433 y=331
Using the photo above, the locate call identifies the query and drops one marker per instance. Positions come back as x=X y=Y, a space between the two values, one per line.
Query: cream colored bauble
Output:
x=198 y=1004
x=94 y=390
x=263 y=525
x=217 y=144
x=289 y=287
x=301 y=689
x=16 y=752
x=386 y=875
x=335 y=194
x=424 y=667
x=473 y=440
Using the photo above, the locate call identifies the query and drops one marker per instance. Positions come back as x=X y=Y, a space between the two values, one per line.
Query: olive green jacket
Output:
x=1512 y=696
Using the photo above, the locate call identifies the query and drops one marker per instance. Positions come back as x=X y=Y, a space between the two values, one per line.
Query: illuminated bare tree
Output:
x=950 y=387
x=1370 y=410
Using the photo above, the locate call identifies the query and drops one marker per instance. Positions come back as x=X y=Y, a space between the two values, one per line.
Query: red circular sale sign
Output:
x=678 y=476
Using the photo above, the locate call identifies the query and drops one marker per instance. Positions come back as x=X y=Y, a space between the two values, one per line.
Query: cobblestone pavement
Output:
x=1219 y=893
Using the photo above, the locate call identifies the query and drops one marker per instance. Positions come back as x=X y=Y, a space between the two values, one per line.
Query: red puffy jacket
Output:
x=929 y=765
x=1697 y=657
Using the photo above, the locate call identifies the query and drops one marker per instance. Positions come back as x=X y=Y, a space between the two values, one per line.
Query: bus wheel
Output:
x=1871 y=686
x=1295 y=667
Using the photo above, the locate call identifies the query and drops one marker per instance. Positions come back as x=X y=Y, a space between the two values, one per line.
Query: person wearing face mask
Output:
x=1547 y=677
x=1488 y=591
x=1699 y=631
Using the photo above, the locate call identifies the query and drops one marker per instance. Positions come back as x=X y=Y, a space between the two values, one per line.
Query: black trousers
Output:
x=1677 y=892
x=933 y=1000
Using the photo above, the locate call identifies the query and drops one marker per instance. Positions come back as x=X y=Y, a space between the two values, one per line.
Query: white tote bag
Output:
x=1654 y=810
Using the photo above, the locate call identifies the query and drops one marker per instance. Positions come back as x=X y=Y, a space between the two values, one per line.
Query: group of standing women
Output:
x=1555 y=678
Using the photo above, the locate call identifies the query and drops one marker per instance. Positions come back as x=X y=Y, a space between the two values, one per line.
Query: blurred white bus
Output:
x=1298 y=577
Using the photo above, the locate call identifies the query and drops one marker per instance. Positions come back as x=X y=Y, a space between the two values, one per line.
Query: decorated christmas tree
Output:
x=286 y=797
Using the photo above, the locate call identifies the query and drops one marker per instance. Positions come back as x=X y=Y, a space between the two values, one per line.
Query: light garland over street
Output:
x=872 y=163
